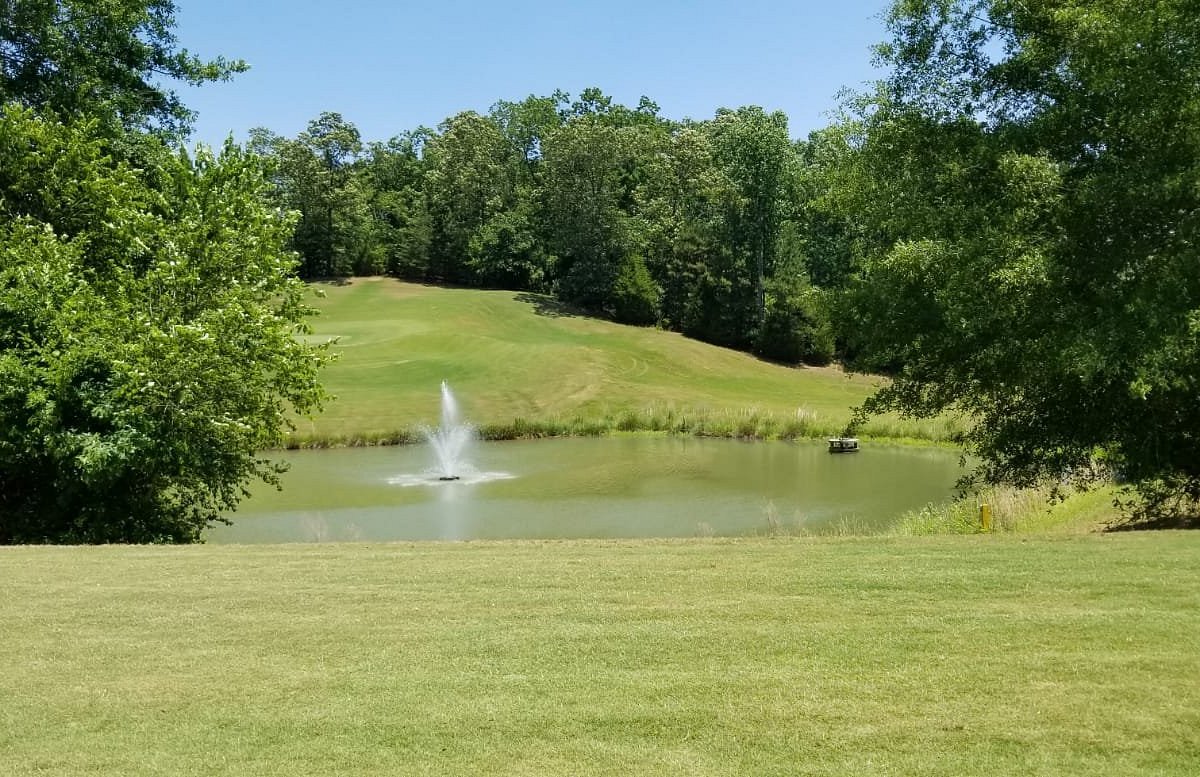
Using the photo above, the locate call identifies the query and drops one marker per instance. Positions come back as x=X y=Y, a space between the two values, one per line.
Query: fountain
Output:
x=451 y=439
x=451 y=444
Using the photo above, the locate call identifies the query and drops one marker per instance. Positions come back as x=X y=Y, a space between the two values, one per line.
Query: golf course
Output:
x=1057 y=650
x=597 y=390
x=947 y=656
x=523 y=365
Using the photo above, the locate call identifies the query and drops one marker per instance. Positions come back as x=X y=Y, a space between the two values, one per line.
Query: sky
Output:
x=390 y=67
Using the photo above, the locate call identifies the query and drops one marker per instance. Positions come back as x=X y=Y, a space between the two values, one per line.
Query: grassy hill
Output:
x=521 y=364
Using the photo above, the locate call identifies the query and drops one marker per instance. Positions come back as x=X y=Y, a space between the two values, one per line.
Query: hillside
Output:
x=510 y=355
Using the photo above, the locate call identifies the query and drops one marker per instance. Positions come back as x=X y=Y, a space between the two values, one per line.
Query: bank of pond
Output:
x=624 y=486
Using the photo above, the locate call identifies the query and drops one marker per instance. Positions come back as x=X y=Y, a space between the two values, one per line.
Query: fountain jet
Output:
x=451 y=439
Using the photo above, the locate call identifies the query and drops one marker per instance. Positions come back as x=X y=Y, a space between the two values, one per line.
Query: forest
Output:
x=712 y=228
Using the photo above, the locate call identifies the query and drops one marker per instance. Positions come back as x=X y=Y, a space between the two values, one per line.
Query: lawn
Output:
x=514 y=356
x=980 y=655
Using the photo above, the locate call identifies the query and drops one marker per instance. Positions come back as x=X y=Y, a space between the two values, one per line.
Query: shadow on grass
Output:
x=1156 y=523
x=338 y=280
x=545 y=305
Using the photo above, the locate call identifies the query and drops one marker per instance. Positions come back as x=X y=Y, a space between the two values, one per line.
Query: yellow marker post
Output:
x=985 y=516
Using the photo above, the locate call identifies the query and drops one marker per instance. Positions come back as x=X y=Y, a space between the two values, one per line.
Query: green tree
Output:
x=527 y=123
x=316 y=174
x=395 y=175
x=588 y=231
x=753 y=150
x=680 y=202
x=826 y=236
x=471 y=181
x=101 y=57
x=148 y=336
x=1029 y=178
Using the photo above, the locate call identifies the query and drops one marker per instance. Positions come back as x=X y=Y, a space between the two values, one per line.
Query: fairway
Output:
x=916 y=656
x=510 y=356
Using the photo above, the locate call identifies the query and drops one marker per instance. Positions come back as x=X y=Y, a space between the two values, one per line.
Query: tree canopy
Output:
x=101 y=57
x=147 y=337
x=1027 y=183
x=150 y=319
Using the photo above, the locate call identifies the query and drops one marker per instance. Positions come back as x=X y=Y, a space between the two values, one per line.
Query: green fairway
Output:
x=922 y=656
x=512 y=356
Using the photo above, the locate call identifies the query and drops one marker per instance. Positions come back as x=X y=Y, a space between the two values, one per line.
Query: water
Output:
x=635 y=486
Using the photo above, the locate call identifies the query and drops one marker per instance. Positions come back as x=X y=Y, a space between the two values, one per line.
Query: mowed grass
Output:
x=955 y=656
x=521 y=366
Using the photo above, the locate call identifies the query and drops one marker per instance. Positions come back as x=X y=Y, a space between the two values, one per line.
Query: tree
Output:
x=753 y=150
x=395 y=176
x=680 y=204
x=471 y=180
x=1029 y=178
x=148 y=336
x=527 y=123
x=316 y=176
x=581 y=199
x=826 y=236
x=101 y=57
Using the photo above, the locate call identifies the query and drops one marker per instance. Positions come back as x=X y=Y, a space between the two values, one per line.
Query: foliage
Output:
x=506 y=251
x=752 y=148
x=394 y=175
x=1029 y=179
x=147 y=336
x=679 y=202
x=589 y=232
x=635 y=297
x=101 y=57
x=1014 y=510
x=471 y=181
x=314 y=176
x=612 y=209
x=795 y=327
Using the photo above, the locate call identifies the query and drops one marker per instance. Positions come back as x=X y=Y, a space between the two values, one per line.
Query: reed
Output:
x=1014 y=510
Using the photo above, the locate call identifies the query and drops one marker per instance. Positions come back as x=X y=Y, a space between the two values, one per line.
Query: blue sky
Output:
x=393 y=66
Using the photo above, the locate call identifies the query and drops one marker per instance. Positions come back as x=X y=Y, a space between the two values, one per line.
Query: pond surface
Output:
x=614 y=487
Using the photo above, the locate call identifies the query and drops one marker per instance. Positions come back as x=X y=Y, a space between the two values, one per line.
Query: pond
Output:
x=615 y=487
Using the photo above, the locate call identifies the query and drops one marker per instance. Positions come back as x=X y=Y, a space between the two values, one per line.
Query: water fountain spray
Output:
x=451 y=439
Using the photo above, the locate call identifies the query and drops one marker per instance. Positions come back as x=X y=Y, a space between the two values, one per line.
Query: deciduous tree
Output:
x=150 y=342
x=1029 y=176
x=105 y=58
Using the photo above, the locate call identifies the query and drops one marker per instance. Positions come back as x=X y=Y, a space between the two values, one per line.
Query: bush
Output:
x=147 y=337
x=635 y=295
x=795 y=328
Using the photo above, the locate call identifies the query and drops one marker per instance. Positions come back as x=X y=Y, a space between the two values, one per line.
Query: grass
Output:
x=1014 y=510
x=984 y=655
x=522 y=367
x=1037 y=649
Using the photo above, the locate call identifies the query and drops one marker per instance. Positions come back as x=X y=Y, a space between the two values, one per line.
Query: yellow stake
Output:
x=985 y=516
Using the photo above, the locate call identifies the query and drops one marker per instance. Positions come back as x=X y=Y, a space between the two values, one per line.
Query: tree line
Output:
x=710 y=228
